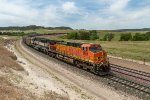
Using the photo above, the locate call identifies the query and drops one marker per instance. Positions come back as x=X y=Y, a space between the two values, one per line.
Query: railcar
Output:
x=84 y=55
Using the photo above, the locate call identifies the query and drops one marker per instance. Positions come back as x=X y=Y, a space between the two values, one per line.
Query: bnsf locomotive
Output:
x=84 y=55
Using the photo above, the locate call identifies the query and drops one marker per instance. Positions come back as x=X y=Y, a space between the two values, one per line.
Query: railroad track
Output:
x=131 y=84
x=131 y=70
x=130 y=78
x=143 y=77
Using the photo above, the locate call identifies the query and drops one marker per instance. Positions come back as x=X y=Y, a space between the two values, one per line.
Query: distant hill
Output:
x=124 y=30
x=33 y=27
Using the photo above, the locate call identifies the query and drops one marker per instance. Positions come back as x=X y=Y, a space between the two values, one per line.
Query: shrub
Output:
x=108 y=37
x=72 y=35
x=125 y=37
x=139 y=37
x=93 y=35
x=147 y=35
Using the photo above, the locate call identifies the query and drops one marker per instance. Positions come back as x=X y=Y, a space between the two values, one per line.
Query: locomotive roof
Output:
x=74 y=44
x=90 y=44
x=45 y=39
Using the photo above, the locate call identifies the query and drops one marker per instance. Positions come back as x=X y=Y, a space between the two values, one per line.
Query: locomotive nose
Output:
x=99 y=56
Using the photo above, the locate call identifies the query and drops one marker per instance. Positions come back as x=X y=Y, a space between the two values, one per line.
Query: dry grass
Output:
x=7 y=58
x=10 y=92
x=54 y=96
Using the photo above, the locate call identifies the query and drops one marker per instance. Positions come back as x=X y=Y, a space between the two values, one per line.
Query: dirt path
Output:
x=86 y=86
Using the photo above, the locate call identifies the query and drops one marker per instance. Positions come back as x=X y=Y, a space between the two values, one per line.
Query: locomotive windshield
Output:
x=95 y=49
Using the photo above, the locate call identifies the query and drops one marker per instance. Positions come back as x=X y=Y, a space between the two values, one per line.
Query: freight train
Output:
x=83 y=55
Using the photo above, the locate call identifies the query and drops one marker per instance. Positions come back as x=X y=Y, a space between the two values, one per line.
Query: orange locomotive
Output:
x=88 y=56
x=84 y=55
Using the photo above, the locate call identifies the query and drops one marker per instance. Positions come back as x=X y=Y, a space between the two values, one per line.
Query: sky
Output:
x=78 y=14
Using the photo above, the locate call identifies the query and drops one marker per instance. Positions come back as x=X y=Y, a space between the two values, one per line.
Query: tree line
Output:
x=89 y=35
x=93 y=35
x=83 y=35
x=136 y=37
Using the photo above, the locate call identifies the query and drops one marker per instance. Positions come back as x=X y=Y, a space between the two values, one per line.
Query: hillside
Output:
x=33 y=27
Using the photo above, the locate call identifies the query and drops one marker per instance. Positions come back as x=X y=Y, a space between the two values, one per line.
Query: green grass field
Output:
x=42 y=31
x=133 y=50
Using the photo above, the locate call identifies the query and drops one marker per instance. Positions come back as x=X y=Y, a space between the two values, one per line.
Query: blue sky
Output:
x=78 y=14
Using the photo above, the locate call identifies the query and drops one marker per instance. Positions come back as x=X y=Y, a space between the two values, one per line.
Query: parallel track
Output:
x=130 y=70
x=131 y=78
x=130 y=83
x=138 y=75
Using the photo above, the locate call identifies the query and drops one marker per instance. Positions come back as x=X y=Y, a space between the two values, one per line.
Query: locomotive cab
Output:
x=93 y=53
x=96 y=56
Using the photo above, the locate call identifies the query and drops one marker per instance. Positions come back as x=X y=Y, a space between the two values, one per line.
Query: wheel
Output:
x=96 y=70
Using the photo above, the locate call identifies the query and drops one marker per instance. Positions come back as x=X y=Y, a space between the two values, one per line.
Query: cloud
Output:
x=89 y=14
x=15 y=13
x=116 y=14
x=118 y=5
x=23 y=13
x=69 y=7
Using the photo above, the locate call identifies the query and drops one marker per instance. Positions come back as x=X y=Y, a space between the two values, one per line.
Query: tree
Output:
x=147 y=35
x=72 y=35
x=93 y=35
x=108 y=37
x=105 y=37
x=139 y=37
x=83 y=35
x=125 y=37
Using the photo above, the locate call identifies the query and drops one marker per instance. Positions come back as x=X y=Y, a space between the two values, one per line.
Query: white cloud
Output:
x=16 y=13
x=16 y=10
x=21 y=13
x=69 y=7
x=139 y=18
x=118 y=5
x=51 y=16
x=113 y=15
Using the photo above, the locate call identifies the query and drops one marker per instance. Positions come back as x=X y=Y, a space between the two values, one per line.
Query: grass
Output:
x=42 y=31
x=10 y=92
x=7 y=58
x=133 y=50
